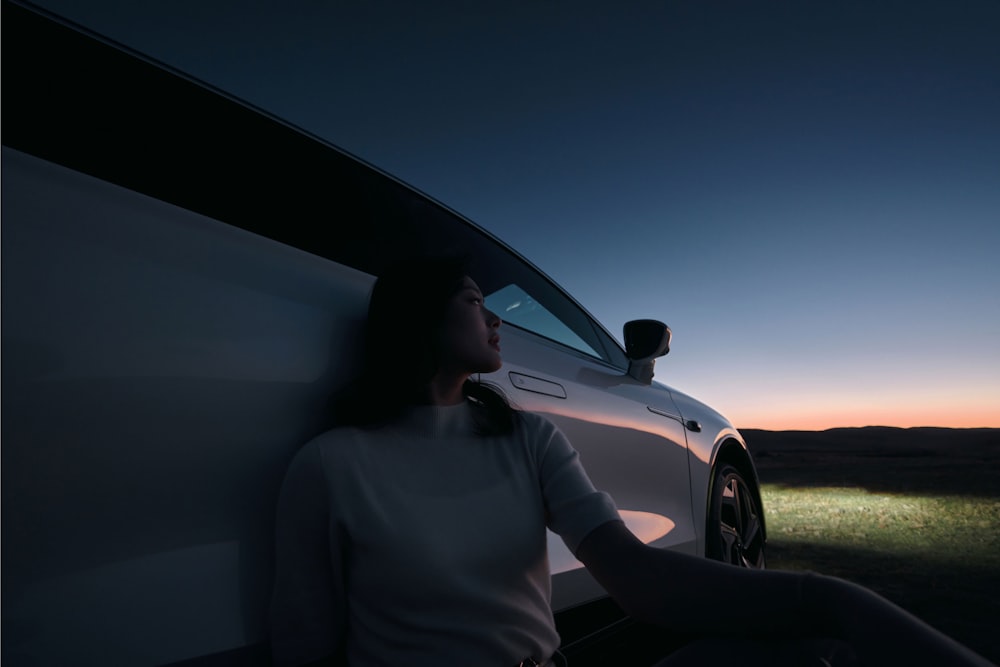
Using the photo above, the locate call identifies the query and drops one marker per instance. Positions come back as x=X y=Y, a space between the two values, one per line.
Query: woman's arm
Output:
x=693 y=594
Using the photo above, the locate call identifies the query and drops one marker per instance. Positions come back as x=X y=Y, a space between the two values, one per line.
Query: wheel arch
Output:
x=733 y=452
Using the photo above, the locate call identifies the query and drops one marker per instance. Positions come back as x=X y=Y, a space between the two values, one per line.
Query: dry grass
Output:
x=921 y=528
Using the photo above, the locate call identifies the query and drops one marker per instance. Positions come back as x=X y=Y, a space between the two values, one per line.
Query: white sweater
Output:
x=422 y=543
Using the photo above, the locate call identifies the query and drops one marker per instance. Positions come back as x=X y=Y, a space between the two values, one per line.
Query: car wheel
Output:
x=735 y=530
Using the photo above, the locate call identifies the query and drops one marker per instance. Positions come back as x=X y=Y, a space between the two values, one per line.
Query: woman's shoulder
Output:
x=534 y=421
x=339 y=443
x=337 y=452
x=341 y=438
x=538 y=429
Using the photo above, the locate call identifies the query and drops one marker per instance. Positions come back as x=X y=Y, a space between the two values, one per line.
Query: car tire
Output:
x=735 y=520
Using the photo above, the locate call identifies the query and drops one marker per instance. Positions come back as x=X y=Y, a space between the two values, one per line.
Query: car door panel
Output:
x=605 y=415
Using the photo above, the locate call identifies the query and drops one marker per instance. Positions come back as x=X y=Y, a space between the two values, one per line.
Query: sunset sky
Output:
x=807 y=192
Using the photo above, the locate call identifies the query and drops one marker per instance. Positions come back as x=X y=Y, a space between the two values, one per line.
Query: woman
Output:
x=414 y=532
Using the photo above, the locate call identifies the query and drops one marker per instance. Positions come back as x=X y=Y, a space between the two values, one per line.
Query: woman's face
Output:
x=470 y=340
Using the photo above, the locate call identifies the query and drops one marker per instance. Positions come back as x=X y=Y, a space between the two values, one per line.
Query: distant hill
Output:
x=882 y=459
x=873 y=437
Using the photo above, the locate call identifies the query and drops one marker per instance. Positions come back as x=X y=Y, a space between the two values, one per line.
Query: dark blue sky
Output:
x=807 y=192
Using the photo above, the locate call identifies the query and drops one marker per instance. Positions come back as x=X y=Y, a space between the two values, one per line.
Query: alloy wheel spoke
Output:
x=737 y=491
x=739 y=528
x=751 y=531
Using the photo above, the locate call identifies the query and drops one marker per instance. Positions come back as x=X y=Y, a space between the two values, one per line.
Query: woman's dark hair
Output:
x=402 y=348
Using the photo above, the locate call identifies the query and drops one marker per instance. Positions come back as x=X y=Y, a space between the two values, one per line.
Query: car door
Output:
x=559 y=362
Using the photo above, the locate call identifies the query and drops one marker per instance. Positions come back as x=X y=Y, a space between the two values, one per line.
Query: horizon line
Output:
x=902 y=428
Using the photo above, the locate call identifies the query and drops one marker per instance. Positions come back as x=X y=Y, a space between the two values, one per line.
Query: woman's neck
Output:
x=447 y=389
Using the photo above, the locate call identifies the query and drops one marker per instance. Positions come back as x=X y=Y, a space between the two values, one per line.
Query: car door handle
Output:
x=689 y=424
x=536 y=385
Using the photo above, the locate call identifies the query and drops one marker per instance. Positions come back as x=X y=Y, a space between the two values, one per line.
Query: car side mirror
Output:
x=645 y=340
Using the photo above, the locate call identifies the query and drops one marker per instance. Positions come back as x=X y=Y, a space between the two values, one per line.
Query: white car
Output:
x=184 y=279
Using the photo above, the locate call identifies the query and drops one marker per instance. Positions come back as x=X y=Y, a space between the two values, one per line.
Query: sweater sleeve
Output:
x=308 y=607
x=573 y=506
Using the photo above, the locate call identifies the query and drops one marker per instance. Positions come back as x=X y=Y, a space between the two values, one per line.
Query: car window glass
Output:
x=517 y=307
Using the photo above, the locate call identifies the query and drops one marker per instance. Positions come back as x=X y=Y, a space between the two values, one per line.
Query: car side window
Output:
x=517 y=292
x=517 y=307
x=534 y=304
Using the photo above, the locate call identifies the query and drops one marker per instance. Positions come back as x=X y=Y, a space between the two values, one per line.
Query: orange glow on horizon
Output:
x=804 y=419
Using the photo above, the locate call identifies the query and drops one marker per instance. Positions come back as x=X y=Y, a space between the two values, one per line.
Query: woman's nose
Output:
x=493 y=320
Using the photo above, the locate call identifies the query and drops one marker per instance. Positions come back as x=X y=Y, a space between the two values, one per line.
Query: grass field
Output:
x=913 y=514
